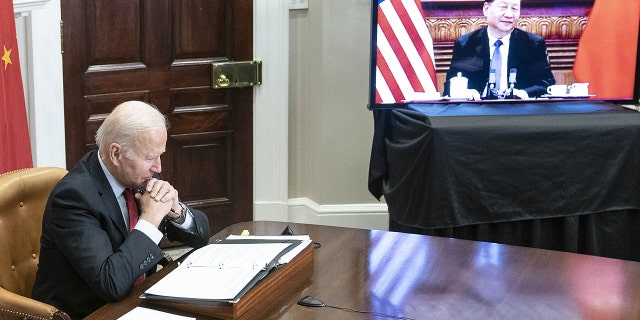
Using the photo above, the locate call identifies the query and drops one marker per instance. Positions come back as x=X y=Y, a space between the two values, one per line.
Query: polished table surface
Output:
x=412 y=276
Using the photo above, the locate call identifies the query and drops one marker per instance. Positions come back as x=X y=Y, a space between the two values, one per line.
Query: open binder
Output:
x=225 y=279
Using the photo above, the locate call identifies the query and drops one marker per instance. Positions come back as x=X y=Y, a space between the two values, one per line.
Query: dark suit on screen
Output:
x=527 y=54
x=88 y=257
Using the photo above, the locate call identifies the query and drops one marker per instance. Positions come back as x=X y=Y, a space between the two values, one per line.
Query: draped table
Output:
x=561 y=175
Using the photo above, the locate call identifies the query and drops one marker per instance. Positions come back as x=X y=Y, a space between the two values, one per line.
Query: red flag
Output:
x=404 y=63
x=606 y=55
x=15 y=146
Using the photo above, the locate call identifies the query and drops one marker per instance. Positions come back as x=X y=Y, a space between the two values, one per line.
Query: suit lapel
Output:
x=106 y=193
x=483 y=51
x=515 y=46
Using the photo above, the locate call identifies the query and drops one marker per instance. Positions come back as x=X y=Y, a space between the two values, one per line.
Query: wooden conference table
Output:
x=412 y=276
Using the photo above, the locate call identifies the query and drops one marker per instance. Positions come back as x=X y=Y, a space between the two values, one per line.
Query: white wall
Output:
x=330 y=127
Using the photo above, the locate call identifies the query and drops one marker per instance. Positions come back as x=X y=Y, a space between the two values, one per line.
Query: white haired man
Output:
x=92 y=248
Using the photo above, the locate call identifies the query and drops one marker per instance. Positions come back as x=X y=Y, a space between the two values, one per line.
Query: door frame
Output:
x=271 y=111
x=45 y=103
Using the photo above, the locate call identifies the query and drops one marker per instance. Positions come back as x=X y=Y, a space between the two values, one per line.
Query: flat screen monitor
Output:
x=412 y=46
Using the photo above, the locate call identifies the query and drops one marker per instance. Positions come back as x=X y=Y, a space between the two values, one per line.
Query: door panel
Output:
x=161 y=51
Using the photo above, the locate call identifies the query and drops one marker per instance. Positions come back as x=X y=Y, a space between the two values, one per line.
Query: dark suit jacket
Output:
x=527 y=53
x=87 y=255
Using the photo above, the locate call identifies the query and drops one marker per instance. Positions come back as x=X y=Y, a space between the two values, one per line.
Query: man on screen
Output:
x=474 y=55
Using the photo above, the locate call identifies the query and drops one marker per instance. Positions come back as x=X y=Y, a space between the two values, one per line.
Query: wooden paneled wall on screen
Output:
x=560 y=23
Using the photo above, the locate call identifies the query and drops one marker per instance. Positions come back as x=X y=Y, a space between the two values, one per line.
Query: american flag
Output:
x=404 y=64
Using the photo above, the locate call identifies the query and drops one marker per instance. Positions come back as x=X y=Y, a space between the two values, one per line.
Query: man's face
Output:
x=502 y=16
x=139 y=166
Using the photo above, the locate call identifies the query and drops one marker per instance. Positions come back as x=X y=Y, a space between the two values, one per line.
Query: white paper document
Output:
x=287 y=257
x=144 y=313
x=217 y=271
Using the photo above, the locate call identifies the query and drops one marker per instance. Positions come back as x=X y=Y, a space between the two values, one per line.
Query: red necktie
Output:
x=131 y=207
x=133 y=216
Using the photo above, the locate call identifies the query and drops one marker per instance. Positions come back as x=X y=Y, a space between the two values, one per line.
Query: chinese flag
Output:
x=606 y=56
x=15 y=146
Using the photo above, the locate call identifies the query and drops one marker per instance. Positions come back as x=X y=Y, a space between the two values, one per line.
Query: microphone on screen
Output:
x=512 y=77
x=512 y=83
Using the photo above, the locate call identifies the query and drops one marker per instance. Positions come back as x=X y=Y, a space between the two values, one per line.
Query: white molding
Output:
x=22 y=8
x=374 y=216
x=271 y=110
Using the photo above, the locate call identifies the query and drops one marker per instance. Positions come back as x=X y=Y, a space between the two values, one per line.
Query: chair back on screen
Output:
x=23 y=196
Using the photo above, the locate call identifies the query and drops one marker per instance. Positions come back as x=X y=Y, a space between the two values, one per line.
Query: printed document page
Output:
x=145 y=313
x=217 y=271
x=287 y=257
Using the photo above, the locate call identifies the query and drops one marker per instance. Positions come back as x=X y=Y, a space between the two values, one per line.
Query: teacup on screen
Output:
x=579 y=89
x=557 y=89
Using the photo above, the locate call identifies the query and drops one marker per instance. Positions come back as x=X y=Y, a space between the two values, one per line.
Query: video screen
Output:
x=429 y=51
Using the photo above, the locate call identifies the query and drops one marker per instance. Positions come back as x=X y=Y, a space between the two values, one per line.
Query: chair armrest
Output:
x=17 y=305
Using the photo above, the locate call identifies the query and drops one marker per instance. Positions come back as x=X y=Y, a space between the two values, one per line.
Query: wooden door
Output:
x=160 y=51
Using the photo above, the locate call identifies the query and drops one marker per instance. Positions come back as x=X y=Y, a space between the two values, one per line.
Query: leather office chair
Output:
x=23 y=195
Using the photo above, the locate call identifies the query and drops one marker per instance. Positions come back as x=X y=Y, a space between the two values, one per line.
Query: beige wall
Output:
x=330 y=126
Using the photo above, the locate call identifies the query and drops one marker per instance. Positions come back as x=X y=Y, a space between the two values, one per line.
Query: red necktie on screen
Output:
x=131 y=207
x=133 y=216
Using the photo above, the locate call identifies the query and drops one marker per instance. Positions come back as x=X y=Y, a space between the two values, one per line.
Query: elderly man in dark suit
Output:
x=92 y=248
x=517 y=49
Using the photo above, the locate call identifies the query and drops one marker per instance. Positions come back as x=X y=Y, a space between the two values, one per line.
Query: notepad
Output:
x=219 y=271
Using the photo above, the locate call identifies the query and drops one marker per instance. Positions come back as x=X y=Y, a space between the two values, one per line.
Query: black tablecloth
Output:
x=445 y=168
